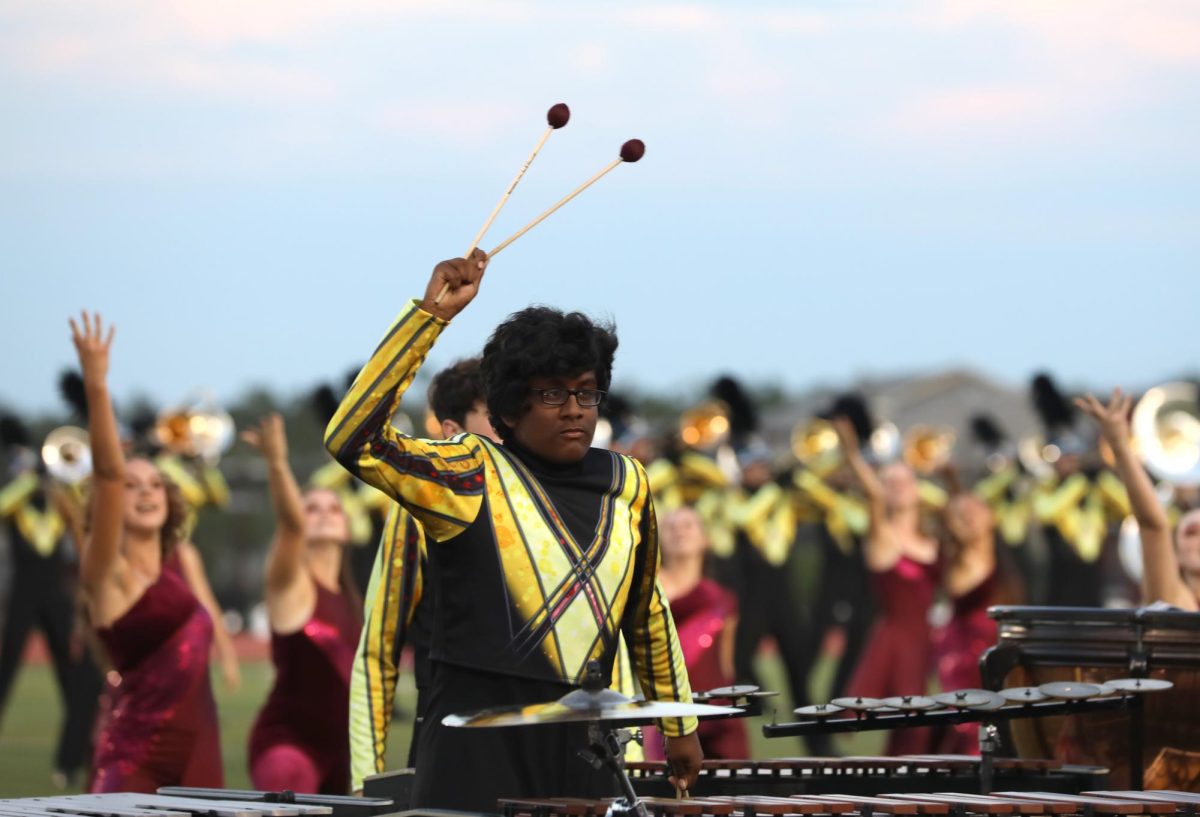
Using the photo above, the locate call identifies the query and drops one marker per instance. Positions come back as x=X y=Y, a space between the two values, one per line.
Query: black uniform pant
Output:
x=767 y=605
x=470 y=769
x=38 y=599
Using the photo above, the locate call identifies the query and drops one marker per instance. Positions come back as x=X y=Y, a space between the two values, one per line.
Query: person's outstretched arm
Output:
x=881 y=548
x=439 y=482
x=100 y=556
x=1160 y=567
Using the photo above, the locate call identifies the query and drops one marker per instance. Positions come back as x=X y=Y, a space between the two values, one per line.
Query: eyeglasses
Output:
x=586 y=398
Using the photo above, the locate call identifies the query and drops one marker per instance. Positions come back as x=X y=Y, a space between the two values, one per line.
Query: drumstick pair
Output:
x=556 y=117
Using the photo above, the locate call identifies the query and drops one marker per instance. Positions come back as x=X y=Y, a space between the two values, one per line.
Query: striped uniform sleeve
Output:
x=392 y=596
x=650 y=630
x=439 y=482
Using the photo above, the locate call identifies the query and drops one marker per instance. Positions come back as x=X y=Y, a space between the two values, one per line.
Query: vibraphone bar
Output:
x=868 y=775
x=950 y=804
x=189 y=802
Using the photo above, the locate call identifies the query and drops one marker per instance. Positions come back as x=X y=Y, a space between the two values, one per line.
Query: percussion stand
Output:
x=989 y=742
x=606 y=750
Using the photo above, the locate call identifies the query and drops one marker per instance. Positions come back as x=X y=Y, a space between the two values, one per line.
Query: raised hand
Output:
x=463 y=277
x=92 y=346
x=269 y=438
x=1113 y=419
x=847 y=436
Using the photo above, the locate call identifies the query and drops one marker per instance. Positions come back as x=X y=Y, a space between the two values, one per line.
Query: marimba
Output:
x=868 y=776
x=950 y=804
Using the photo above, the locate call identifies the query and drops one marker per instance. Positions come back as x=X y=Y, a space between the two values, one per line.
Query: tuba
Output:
x=1166 y=432
x=67 y=454
x=705 y=426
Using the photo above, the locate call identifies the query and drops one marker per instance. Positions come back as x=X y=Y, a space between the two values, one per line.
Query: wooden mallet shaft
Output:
x=631 y=151
x=557 y=117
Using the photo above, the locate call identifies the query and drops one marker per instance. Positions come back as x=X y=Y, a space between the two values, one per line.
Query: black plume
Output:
x=987 y=431
x=324 y=403
x=13 y=431
x=70 y=386
x=743 y=418
x=1056 y=411
x=853 y=407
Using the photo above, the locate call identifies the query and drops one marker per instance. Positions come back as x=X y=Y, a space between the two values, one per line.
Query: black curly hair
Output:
x=455 y=390
x=541 y=342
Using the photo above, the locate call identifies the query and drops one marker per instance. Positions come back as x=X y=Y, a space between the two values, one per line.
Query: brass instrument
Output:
x=67 y=454
x=928 y=448
x=196 y=429
x=815 y=442
x=1166 y=432
x=705 y=426
x=1037 y=456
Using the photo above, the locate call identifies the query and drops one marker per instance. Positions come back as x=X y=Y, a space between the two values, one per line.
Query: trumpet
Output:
x=197 y=429
x=67 y=454
x=928 y=448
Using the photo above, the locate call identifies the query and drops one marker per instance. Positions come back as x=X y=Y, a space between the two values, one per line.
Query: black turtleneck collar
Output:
x=543 y=467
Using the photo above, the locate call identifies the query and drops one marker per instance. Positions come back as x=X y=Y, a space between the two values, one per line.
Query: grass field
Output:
x=31 y=721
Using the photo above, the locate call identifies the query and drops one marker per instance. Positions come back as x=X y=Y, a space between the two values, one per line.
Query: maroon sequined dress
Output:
x=162 y=725
x=958 y=647
x=308 y=709
x=701 y=616
x=898 y=657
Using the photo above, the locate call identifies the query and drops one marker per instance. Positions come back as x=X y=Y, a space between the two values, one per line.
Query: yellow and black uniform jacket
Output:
x=539 y=566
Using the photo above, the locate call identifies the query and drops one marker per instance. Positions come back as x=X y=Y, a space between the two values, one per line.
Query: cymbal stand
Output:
x=606 y=750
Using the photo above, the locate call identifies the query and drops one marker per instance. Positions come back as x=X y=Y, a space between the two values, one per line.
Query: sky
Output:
x=252 y=189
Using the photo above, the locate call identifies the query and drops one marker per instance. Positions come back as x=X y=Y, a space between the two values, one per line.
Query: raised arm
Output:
x=285 y=560
x=882 y=549
x=1160 y=571
x=439 y=482
x=395 y=588
x=108 y=460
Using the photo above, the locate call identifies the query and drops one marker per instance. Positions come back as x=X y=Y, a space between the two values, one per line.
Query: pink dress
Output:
x=308 y=708
x=898 y=656
x=958 y=647
x=700 y=617
x=161 y=729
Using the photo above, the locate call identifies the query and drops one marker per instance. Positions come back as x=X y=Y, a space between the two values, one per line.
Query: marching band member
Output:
x=299 y=740
x=543 y=547
x=162 y=727
x=41 y=519
x=1171 y=570
x=903 y=564
x=400 y=597
x=706 y=617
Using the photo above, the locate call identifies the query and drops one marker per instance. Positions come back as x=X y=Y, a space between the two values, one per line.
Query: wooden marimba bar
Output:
x=868 y=775
x=944 y=804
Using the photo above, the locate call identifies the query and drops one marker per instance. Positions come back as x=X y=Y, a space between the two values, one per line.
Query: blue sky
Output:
x=250 y=190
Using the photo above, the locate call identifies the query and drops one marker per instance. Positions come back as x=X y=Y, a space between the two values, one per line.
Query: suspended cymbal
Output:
x=582 y=706
x=978 y=699
x=1139 y=684
x=733 y=692
x=860 y=703
x=819 y=710
x=1071 y=690
x=1023 y=695
x=910 y=703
